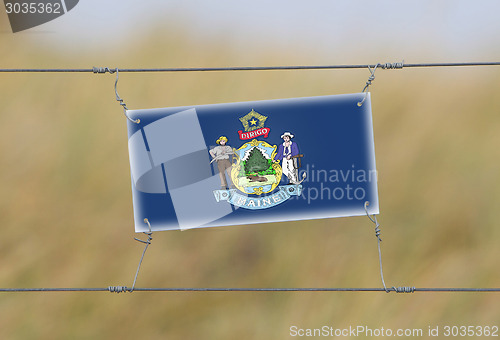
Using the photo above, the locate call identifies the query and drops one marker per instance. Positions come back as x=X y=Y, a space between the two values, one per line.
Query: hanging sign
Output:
x=252 y=162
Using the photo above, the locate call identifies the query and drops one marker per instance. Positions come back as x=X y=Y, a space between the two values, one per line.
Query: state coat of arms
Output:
x=255 y=170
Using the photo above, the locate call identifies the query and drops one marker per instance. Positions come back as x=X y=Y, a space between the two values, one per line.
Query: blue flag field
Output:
x=252 y=162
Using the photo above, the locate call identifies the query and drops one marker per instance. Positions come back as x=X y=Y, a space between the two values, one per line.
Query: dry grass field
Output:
x=66 y=207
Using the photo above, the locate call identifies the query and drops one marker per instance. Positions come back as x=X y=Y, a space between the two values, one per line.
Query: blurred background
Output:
x=65 y=196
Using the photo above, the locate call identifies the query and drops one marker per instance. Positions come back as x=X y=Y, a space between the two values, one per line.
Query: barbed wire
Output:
x=398 y=65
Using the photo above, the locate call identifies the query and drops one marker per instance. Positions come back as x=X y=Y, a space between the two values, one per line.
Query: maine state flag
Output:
x=252 y=162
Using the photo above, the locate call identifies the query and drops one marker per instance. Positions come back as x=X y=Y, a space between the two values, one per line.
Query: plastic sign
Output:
x=252 y=162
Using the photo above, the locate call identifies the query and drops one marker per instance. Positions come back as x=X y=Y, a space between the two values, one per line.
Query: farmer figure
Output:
x=221 y=154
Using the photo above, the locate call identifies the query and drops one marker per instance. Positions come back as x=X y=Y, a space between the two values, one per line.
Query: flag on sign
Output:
x=252 y=162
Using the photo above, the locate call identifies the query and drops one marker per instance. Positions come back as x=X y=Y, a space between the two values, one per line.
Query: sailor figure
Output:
x=288 y=153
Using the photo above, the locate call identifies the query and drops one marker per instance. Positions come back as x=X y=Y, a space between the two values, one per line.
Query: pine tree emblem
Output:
x=256 y=162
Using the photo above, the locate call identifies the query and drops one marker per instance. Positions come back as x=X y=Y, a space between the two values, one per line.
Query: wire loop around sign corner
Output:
x=377 y=234
x=371 y=78
x=373 y=218
x=147 y=242
x=102 y=70
x=368 y=83
x=120 y=100
x=121 y=289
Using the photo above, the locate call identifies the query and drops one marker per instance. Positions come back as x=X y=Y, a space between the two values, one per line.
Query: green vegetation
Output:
x=256 y=162
x=268 y=170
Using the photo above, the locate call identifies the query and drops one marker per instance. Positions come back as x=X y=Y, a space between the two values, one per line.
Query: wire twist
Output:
x=404 y=289
x=103 y=70
x=117 y=289
x=392 y=66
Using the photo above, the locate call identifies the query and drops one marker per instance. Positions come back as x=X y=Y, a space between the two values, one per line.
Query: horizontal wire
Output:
x=108 y=289
x=247 y=68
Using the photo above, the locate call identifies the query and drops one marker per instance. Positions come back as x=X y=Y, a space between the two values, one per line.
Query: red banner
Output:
x=252 y=134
